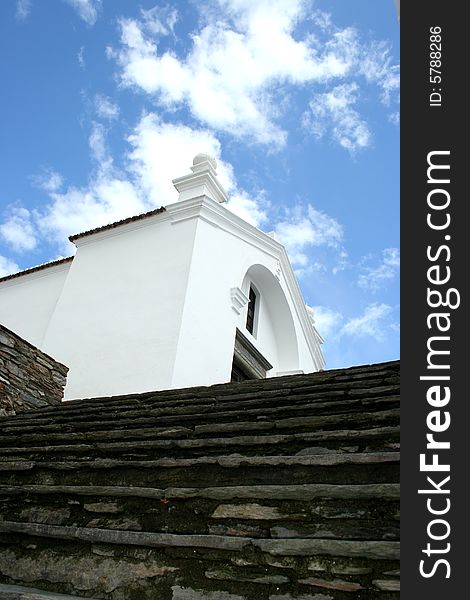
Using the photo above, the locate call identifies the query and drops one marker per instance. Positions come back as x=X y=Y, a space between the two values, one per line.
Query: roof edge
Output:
x=41 y=267
x=140 y=217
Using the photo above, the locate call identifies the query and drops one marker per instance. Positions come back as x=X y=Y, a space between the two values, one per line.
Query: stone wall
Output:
x=29 y=378
x=275 y=489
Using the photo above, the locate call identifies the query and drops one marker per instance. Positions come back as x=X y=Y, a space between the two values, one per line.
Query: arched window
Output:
x=251 y=311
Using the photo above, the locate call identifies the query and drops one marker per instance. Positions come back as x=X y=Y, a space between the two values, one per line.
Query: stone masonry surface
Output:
x=29 y=378
x=274 y=489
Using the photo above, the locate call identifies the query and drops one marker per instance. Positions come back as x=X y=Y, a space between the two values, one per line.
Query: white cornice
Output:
x=218 y=216
x=200 y=183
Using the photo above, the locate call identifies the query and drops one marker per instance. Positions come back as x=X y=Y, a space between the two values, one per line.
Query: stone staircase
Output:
x=276 y=489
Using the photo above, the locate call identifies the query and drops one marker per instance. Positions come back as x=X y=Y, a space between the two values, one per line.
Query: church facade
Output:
x=185 y=295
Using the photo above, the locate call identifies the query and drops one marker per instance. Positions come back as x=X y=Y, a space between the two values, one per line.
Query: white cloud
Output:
x=105 y=107
x=97 y=144
x=301 y=229
x=50 y=181
x=160 y=20
x=23 y=8
x=242 y=57
x=325 y=319
x=18 y=230
x=333 y=112
x=342 y=262
x=252 y=210
x=375 y=278
x=158 y=152
x=377 y=68
x=81 y=57
x=219 y=90
x=372 y=323
x=109 y=196
x=162 y=151
x=87 y=9
x=7 y=266
x=103 y=201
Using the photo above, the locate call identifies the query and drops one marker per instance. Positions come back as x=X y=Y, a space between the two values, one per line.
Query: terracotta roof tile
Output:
x=52 y=263
x=156 y=211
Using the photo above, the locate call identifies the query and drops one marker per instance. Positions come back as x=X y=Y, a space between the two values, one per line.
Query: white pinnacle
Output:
x=202 y=158
x=202 y=181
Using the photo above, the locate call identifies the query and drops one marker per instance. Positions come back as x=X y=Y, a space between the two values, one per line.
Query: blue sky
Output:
x=105 y=101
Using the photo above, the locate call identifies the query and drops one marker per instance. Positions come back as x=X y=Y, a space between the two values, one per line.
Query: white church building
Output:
x=186 y=295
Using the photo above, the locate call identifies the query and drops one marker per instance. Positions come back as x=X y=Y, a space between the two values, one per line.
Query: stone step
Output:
x=17 y=592
x=310 y=422
x=332 y=467
x=338 y=518
x=354 y=511
x=286 y=443
x=357 y=382
x=207 y=429
x=186 y=573
x=122 y=407
x=132 y=418
x=321 y=458
x=301 y=492
x=377 y=550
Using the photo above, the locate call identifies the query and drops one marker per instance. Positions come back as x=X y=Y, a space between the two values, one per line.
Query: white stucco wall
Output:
x=28 y=302
x=117 y=322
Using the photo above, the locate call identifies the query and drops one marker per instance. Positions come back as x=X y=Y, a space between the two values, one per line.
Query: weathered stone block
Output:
x=234 y=575
x=186 y=593
x=6 y=339
x=316 y=564
x=49 y=516
x=82 y=573
x=334 y=584
x=387 y=585
x=102 y=507
x=119 y=524
x=240 y=530
x=16 y=592
x=246 y=511
x=350 y=570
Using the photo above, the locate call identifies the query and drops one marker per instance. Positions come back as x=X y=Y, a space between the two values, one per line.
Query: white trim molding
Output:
x=239 y=299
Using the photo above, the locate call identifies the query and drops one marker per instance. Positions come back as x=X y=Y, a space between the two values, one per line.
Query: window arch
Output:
x=274 y=331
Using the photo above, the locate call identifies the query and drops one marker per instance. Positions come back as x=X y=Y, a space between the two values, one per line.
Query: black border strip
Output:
x=430 y=127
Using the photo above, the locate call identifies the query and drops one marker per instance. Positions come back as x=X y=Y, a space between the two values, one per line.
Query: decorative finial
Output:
x=202 y=181
x=202 y=157
x=204 y=162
